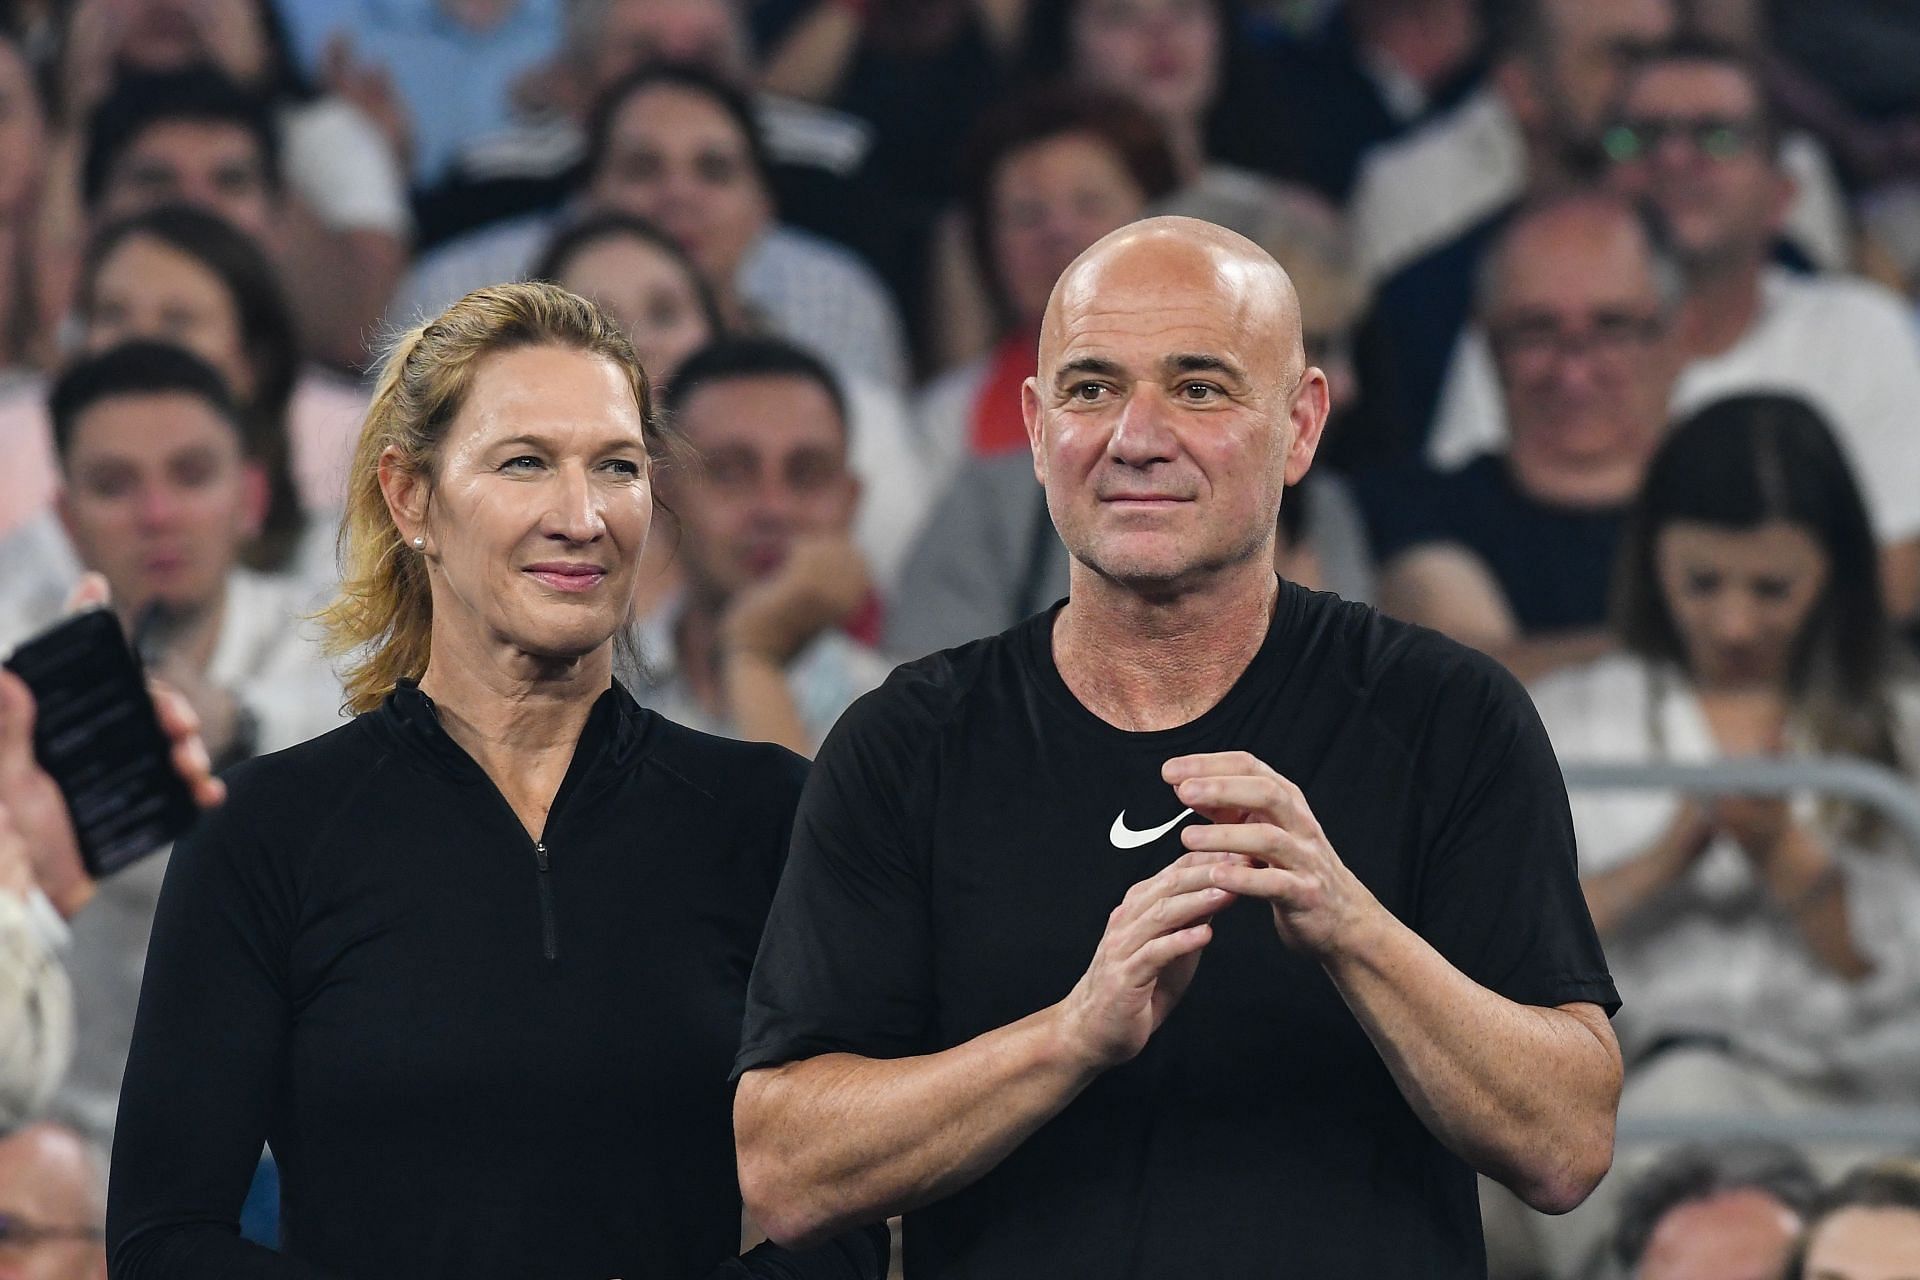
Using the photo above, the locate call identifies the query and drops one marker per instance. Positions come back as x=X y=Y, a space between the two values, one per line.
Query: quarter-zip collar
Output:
x=611 y=741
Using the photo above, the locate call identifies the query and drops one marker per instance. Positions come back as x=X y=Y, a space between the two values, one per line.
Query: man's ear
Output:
x=1036 y=427
x=406 y=490
x=1307 y=419
x=256 y=495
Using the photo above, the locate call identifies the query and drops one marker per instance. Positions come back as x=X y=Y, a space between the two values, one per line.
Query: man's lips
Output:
x=566 y=575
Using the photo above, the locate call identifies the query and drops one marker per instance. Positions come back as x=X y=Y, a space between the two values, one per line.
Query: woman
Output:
x=474 y=963
x=640 y=276
x=1765 y=949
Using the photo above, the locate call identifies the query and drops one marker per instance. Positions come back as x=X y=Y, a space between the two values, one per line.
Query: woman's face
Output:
x=538 y=509
x=148 y=289
x=1163 y=54
x=1740 y=598
x=1865 y=1243
x=1052 y=199
x=648 y=292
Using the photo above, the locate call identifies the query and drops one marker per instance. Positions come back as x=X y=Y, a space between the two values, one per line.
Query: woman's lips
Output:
x=568 y=577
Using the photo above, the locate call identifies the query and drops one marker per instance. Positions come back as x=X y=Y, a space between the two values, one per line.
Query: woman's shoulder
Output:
x=1583 y=701
x=723 y=769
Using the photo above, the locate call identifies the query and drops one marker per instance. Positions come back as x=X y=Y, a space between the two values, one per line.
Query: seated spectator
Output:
x=1867 y=1228
x=1512 y=554
x=53 y=1204
x=681 y=148
x=437 y=74
x=756 y=648
x=1696 y=142
x=1715 y=1213
x=26 y=484
x=1050 y=172
x=1766 y=948
x=989 y=555
x=348 y=221
x=158 y=496
x=183 y=276
x=36 y=999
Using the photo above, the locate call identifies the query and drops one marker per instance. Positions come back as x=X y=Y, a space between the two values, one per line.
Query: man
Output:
x=157 y=497
x=1513 y=554
x=194 y=136
x=1706 y=1213
x=766 y=514
x=1411 y=989
x=52 y=1206
x=682 y=148
x=1696 y=142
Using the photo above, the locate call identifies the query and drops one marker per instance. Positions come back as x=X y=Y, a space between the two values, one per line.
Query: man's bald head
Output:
x=1171 y=258
x=51 y=1177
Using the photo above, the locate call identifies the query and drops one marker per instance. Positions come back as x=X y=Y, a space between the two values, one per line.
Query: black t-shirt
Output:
x=1553 y=563
x=953 y=867
x=473 y=1058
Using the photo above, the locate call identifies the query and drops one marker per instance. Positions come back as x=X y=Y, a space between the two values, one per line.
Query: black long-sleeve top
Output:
x=474 y=1055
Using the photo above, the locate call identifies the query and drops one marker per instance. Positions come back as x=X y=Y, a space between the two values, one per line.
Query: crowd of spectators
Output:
x=1617 y=302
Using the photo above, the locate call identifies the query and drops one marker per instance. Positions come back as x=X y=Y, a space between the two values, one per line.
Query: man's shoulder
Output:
x=787 y=250
x=1834 y=307
x=921 y=699
x=1418 y=192
x=487 y=255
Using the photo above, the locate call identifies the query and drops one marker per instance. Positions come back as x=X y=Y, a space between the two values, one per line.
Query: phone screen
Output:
x=95 y=731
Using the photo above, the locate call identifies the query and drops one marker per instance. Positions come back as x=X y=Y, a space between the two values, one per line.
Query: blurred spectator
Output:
x=989 y=555
x=1695 y=141
x=755 y=649
x=680 y=147
x=1867 y=1228
x=1512 y=553
x=1050 y=172
x=1766 y=948
x=183 y=276
x=158 y=496
x=1367 y=72
x=1715 y=1213
x=52 y=1205
x=26 y=484
x=346 y=217
x=36 y=1000
x=437 y=75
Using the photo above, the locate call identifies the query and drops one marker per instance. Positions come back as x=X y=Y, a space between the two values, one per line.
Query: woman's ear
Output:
x=406 y=489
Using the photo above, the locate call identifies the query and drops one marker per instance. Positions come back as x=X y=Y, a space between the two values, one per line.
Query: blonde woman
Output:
x=473 y=964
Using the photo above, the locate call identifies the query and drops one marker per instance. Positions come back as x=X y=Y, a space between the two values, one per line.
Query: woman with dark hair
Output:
x=643 y=278
x=1766 y=947
x=1866 y=1228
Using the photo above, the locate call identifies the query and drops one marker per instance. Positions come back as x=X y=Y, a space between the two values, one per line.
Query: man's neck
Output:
x=1556 y=482
x=1722 y=304
x=1143 y=664
x=696 y=648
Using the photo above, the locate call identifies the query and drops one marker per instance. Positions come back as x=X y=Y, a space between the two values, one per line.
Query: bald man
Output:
x=52 y=1206
x=1200 y=925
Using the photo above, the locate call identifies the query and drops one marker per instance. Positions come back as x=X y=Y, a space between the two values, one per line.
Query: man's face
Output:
x=44 y=1183
x=1865 y=1244
x=773 y=469
x=1170 y=409
x=1689 y=143
x=1575 y=321
x=1164 y=54
x=159 y=499
x=703 y=33
x=172 y=35
x=676 y=158
x=1738 y=1235
x=1589 y=49
x=208 y=164
x=1051 y=200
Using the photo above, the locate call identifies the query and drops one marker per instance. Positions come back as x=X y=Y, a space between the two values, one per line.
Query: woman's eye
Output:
x=625 y=468
x=525 y=462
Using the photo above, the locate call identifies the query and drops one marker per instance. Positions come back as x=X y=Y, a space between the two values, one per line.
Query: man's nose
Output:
x=1143 y=432
x=157 y=505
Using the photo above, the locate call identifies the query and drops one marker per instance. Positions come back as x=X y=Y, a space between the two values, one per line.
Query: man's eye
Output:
x=1199 y=392
x=1088 y=392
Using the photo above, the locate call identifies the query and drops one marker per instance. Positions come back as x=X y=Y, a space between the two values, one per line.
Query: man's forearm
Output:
x=832 y=1142
x=1525 y=1095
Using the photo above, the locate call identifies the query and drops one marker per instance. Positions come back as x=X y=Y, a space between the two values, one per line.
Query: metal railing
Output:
x=1889 y=791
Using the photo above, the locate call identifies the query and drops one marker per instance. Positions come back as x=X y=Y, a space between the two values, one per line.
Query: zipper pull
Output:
x=540 y=854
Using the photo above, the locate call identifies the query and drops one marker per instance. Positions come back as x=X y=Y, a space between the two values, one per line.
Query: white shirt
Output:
x=1715 y=957
x=1420 y=192
x=1846 y=346
x=339 y=162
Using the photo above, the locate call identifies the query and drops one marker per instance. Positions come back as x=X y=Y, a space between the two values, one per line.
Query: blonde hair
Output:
x=382 y=618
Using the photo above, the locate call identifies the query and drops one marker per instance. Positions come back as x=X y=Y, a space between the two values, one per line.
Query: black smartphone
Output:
x=96 y=732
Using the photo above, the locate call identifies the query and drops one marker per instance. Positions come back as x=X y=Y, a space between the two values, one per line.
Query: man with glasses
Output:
x=51 y=1206
x=1512 y=553
x=1695 y=143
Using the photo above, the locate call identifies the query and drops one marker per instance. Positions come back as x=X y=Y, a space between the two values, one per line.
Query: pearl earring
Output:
x=419 y=543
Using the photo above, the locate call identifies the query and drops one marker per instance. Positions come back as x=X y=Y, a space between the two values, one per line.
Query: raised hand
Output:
x=823 y=581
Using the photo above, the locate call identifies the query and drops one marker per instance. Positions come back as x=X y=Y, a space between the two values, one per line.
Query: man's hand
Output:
x=1145 y=961
x=1285 y=859
x=1757 y=823
x=822 y=583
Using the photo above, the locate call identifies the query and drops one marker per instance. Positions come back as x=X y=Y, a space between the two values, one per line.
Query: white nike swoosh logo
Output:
x=1125 y=837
